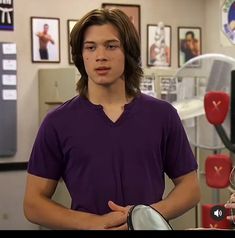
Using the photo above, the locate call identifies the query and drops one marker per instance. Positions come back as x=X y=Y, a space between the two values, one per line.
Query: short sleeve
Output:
x=46 y=159
x=179 y=158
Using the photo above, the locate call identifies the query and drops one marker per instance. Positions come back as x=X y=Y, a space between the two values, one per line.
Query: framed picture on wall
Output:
x=189 y=44
x=147 y=85
x=7 y=15
x=133 y=11
x=45 y=40
x=168 y=88
x=159 y=45
x=71 y=23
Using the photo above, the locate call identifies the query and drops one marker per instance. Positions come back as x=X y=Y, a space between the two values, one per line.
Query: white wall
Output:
x=213 y=29
x=171 y=12
x=174 y=13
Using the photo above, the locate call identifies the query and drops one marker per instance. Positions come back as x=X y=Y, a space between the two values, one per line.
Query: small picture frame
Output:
x=158 y=45
x=189 y=45
x=45 y=39
x=168 y=88
x=70 y=24
x=147 y=85
x=7 y=15
x=131 y=10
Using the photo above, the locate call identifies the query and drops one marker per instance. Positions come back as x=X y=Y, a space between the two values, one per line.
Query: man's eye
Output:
x=90 y=48
x=112 y=47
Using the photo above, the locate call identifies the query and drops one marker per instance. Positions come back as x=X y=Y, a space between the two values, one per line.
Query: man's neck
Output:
x=108 y=95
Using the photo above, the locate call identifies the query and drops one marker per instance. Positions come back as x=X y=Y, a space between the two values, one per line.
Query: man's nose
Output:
x=101 y=54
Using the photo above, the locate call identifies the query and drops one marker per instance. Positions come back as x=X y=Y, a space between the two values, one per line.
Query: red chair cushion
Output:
x=216 y=105
x=209 y=222
x=218 y=168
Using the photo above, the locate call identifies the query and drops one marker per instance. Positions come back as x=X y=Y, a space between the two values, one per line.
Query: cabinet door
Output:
x=55 y=87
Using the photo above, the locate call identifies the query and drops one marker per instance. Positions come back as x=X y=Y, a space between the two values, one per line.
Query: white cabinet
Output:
x=55 y=87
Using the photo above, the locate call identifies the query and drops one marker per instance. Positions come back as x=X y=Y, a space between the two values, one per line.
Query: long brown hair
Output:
x=129 y=39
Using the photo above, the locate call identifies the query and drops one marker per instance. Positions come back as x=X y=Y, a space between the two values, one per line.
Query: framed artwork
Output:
x=71 y=24
x=189 y=44
x=147 y=85
x=159 y=45
x=7 y=15
x=168 y=88
x=131 y=10
x=227 y=33
x=45 y=39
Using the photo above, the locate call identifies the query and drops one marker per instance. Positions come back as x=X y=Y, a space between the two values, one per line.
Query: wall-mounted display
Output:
x=8 y=99
x=168 y=88
x=189 y=44
x=159 y=45
x=6 y=15
x=147 y=85
x=133 y=11
x=228 y=23
x=45 y=39
x=70 y=24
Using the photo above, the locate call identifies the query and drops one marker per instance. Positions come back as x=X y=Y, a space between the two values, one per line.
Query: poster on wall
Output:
x=71 y=23
x=159 y=45
x=131 y=10
x=147 y=85
x=227 y=34
x=45 y=39
x=8 y=99
x=6 y=15
x=189 y=45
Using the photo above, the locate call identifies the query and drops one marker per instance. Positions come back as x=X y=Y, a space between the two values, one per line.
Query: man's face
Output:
x=103 y=54
x=189 y=39
x=45 y=28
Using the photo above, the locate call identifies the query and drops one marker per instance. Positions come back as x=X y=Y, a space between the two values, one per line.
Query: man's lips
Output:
x=102 y=70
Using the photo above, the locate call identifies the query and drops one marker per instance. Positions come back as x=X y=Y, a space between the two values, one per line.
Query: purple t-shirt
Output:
x=100 y=160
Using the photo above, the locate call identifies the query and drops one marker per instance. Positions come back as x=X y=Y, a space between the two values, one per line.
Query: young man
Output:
x=44 y=39
x=190 y=46
x=111 y=144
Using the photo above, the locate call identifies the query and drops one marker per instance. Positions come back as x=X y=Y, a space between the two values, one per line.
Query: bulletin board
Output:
x=8 y=99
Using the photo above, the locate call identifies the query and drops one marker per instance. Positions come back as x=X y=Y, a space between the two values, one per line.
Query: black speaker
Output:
x=232 y=107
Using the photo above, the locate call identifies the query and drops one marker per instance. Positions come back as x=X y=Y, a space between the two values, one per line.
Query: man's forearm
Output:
x=183 y=197
x=48 y=213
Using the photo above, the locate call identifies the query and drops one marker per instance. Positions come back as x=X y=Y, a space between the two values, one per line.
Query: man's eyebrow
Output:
x=88 y=42
x=107 y=41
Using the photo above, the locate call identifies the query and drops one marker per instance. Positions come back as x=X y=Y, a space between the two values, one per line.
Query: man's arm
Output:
x=50 y=39
x=39 y=34
x=184 y=196
x=40 y=209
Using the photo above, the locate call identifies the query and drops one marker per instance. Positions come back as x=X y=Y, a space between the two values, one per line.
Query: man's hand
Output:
x=114 y=220
x=121 y=210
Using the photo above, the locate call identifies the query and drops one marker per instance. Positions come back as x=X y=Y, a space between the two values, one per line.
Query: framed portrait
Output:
x=189 y=45
x=7 y=15
x=45 y=40
x=159 y=45
x=70 y=23
x=131 y=10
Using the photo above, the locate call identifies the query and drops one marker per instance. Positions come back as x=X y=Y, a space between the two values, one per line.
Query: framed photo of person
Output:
x=71 y=24
x=159 y=45
x=132 y=10
x=189 y=45
x=45 y=40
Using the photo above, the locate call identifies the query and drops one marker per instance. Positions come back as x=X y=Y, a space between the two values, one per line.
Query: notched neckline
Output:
x=100 y=109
